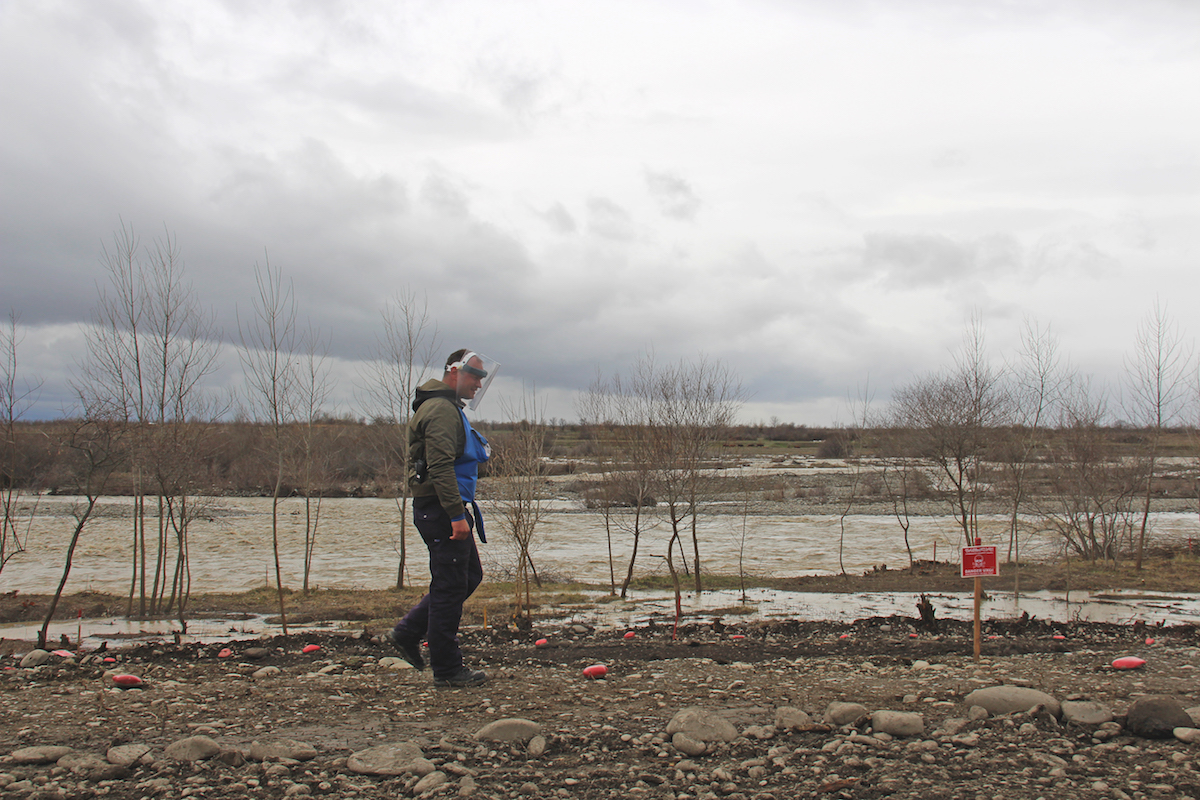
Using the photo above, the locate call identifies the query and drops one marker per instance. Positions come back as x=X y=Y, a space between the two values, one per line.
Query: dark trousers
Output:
x=454 y=573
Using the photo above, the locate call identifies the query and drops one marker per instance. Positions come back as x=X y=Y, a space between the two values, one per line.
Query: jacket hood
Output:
x=434 y=388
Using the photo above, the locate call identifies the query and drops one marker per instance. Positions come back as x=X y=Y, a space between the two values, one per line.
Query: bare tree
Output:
x=951 y=416
x=1156 y=381
x=150 y=347
x=98 y=444
x=405 y=353
x=617 y=413
x=312 y=388
x=707 y=396
x=16 y=397
x=860 y=413
x=1091 y=491
x=1038 y=381
x=269 y=346
x=519 y=483
x=902 y=477
x=674 y=415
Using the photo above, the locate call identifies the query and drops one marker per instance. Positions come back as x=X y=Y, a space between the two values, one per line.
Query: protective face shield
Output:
x=476 y=372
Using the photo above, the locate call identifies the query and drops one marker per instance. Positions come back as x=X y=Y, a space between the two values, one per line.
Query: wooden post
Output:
x=978 y=626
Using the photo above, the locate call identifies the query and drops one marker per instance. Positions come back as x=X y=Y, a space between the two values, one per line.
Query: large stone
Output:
x=193 y=748
x=513 y=729
x=1156 y=717
x=1188 y=735
x=839 y=713
x=702 y=725
x=35 y=658
x=392 y=662
x=386 y=759
x=1012 y=700
x=430 y=782
x=41 y=754
x=282 y=748
x=536 y=747
x=126 y=755
x=787 y=718
x=1087 y=713
x=898 y=723
x=687 y=745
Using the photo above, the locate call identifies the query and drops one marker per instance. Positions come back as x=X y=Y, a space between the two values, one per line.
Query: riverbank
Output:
x=1164 y=569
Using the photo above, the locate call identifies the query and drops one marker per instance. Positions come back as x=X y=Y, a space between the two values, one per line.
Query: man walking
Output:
x=444 y=453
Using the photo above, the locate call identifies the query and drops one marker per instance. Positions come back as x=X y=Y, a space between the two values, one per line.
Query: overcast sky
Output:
x=818 y=193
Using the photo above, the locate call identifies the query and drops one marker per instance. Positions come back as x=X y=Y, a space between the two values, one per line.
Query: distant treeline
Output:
x=365 y=458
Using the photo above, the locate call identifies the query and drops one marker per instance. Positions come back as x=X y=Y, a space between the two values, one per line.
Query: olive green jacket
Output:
x=437 y=437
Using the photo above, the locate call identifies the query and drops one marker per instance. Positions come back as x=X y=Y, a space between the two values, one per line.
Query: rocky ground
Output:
x=786 y=709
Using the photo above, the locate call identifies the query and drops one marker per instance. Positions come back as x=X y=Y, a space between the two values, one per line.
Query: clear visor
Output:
x=475 y=374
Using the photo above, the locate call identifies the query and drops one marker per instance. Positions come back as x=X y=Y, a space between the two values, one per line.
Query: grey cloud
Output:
x=523 y=89
x=915 y=260
x=559 y=219
x=1064 y=254
x=674 y=195
x=445 y=196
x=395 y=103
x=609 y=220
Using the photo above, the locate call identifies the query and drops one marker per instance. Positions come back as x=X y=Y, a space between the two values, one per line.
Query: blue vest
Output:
x=466 y=467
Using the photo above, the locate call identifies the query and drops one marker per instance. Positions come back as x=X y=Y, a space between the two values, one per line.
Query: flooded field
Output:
x=358 y=545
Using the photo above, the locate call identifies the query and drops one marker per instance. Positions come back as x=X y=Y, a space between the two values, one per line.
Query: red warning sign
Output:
x=979 y=562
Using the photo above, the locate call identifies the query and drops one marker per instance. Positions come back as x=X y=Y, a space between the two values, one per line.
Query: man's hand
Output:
x=461 y=529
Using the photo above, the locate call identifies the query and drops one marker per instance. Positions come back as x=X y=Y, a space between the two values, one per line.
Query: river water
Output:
x=358 y=546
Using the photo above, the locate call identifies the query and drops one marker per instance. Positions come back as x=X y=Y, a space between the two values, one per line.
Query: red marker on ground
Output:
x=127 y=681
x=595 y=671
x=629 y=634
x=1129 y=662
x=541 y=643
x=225 y=653
x=311 y=648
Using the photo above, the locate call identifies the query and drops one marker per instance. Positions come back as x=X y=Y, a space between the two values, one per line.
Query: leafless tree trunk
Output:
x=150 y=349
x=1038 y=381
x=618 y=413
x=1156 y=379
x=269 y=345
x=16 y=397
x=951 y=415
x=855 y=434
x=1091 y=491
x=520 y=488
x=313 y=388
x=97 y=441
x=405 y=352
x=670 y=419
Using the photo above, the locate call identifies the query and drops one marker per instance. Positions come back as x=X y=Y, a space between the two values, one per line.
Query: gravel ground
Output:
x=285 y=723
